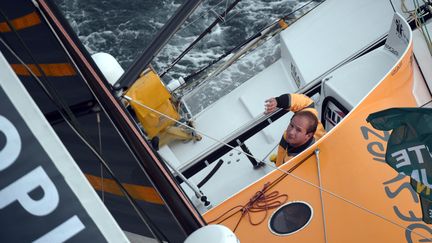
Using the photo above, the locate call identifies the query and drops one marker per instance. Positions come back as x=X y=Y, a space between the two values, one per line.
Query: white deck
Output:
x=350 y=83
x=244 y=104
x=219 y=121
x=339 y=29
x=312 y=59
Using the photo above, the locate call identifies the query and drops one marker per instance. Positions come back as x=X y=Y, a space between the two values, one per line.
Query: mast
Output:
x=181 y=208
x=221 y=17
x=165 y=34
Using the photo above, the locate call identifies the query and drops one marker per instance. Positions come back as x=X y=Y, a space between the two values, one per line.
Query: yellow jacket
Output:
x=295 y=103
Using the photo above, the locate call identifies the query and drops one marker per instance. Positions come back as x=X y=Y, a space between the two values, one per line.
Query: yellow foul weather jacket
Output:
x=295 y=103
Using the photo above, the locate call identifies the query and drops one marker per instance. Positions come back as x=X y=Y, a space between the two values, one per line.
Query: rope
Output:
x=266 y=188
x=261 y=201
x=321 y=196
x=391 y=3
x=422 y=25
x=285 y=173
x=426 y=103
x=419 y=21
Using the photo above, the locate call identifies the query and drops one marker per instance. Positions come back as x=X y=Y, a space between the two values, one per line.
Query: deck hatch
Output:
x=290 y=218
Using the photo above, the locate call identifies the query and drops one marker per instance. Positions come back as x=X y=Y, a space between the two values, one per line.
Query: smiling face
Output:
x=297 y=134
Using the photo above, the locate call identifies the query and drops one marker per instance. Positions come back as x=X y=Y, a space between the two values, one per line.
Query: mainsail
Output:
x=74 y=96
x=41 y=184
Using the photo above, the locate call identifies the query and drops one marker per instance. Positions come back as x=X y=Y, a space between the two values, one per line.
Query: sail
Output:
x=408 y=148
x=40 y=183
x=61 y=92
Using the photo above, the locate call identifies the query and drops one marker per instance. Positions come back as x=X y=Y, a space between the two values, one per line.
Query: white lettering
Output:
x=11 y=150
x=19 y=190
x=417 y=149
x=415 y=175
x=424 y=178
x=427 y=148
x=402 y=157
x=63 y=232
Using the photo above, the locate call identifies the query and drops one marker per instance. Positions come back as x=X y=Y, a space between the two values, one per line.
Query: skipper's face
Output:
x=297 y=134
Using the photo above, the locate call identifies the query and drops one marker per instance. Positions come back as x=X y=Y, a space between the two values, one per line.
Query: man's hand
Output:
x=270 y=105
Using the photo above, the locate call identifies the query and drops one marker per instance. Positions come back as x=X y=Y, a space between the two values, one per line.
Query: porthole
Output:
x=290 y=218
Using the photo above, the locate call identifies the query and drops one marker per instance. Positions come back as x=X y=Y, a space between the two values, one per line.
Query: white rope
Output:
x=283 y=171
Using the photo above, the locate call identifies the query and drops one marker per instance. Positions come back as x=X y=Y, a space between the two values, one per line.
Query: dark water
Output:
x=124 y=28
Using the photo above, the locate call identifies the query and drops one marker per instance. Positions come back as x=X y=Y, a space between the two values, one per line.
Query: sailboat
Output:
x=173 y=174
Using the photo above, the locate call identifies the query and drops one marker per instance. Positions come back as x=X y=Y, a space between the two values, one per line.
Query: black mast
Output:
x=182 y=209
x=208 y=30
x=167 y=31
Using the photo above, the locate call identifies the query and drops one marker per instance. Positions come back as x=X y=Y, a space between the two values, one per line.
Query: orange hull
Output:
x=364 y=200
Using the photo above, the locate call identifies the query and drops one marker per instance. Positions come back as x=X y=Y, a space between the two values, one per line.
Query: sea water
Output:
x=124 y=28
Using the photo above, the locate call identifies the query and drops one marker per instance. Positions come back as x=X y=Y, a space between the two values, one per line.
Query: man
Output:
x=303 y=129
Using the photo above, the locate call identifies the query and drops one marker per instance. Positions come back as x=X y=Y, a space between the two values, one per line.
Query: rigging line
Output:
x=424 y=78
x=284 y=15
x=425 y=26
x=391 y=3
x=430 y=101
x=154 y=230
x=185 y=125
x=202 y=35
x=138 y=210
x=420 y=23
x=206 y=11
x=98 y=120
x=143 y=216
x=62 y=108
x=274 y=19
x=257 y=37
x=226 y=7
x=270 y=164
x=270 y=151
x=212 y=9
x=221 y=17
x=321 y=194
x=293 y=11
x=250 y=39
x=115 y=103
x=347 y=201
x=405 y=9
x=54 y=96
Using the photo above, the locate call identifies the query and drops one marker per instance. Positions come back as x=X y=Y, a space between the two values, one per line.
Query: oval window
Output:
x=290 y=218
